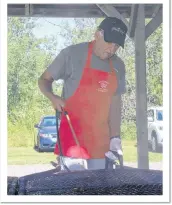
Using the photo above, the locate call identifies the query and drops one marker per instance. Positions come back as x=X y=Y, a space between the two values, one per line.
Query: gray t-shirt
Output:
x=69 y=65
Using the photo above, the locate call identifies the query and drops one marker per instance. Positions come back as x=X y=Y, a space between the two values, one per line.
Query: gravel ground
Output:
x=22 y=170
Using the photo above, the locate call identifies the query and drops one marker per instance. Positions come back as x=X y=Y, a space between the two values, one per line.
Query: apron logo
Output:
x=103 y=86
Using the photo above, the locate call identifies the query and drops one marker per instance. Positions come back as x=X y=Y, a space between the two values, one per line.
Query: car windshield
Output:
x=49 y=121
x=159 y=115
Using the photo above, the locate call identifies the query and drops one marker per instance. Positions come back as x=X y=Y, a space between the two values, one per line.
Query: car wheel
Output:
x=154 y=143
x=35 y=145
x=39 y=149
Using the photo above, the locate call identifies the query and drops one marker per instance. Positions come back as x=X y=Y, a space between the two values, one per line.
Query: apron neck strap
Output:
x=89 y=55
x=111 y=66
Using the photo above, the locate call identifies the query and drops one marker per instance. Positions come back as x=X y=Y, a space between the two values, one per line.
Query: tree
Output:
x=27 y=57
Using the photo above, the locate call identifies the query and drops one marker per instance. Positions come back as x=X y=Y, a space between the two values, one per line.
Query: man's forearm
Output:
x=115 y=117
x=115 y=127
x=45 y=87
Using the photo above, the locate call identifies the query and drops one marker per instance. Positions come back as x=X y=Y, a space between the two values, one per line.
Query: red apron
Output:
x=88 y=110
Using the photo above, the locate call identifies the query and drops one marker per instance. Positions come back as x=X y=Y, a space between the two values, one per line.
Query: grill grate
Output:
x=96 y=182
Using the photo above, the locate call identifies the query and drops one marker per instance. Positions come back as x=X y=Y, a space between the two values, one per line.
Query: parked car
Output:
x=46 y=134
x=155 y=127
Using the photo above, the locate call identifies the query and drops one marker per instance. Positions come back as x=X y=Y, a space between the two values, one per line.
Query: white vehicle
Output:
x=155 y=127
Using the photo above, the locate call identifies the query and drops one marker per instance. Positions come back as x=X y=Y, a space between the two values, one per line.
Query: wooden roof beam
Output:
x=153 y=24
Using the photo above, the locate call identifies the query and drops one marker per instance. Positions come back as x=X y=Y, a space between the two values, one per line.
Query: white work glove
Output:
x=114 y=154
x=115 y=145
x=114 y=149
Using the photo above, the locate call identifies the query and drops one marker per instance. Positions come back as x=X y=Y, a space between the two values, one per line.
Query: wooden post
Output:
x=133 y=19
x=141 y=92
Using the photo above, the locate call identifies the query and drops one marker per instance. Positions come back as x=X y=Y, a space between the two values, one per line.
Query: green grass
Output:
x=130 y=153
x=20 y=156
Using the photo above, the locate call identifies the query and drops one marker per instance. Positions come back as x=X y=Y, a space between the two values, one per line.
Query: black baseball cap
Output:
x=114 y=30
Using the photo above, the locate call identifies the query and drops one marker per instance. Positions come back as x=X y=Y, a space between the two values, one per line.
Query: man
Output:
x=94 y=80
